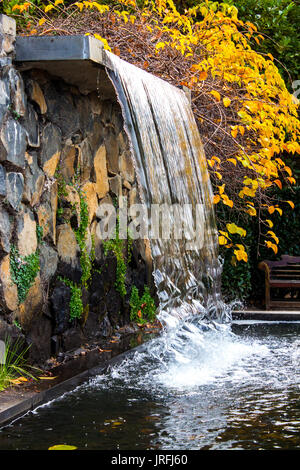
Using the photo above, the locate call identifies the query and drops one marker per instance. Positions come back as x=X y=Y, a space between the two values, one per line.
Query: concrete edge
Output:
x=18 y=410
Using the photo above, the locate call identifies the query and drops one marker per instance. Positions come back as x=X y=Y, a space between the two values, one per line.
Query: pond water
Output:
x=230 y=387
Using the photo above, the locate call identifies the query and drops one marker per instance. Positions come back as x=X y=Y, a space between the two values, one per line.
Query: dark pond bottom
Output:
x=233 y=388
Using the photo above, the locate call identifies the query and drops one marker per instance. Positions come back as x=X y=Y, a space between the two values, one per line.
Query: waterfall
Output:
x=173 y=179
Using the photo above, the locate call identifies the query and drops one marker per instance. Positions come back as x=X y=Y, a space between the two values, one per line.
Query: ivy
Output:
x=143 y=308
x=116 y=246
x=23 y=270
x=76 y=306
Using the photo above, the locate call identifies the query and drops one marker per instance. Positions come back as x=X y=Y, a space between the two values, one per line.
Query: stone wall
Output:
x=60 y=152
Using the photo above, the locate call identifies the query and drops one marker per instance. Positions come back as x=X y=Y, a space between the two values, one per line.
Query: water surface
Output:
x=227 y=388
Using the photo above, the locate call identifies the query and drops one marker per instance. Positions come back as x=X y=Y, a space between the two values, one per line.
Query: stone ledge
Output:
x=15 y=403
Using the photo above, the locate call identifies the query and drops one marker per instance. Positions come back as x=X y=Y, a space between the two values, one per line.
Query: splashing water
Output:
x=172 y=173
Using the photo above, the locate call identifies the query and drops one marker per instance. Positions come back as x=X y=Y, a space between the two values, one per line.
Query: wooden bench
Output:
x=282 y=274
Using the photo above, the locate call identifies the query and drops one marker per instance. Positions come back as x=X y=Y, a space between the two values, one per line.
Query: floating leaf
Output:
x=62 y=447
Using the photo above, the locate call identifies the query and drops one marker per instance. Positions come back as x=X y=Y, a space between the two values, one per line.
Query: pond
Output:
x=195 y=387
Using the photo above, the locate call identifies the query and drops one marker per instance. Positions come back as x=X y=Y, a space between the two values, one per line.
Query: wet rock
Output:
x=39 y=338
x=13 y=138
x=2 y=181
x=31 y=126
x=26 y=233
x=9 y=291
x=5 y=230
x=102 y=186
x=126 y=167
x=60 y=300
x=36 y=95
x=114 y=306
x=95 y=103
x=112 y=152
x=86 y=160
x=15 y=187
x=48 y=262
x=4 y=98
x=51 y=148
x=10 y=332
x=105 y=328
x=96 y=136
x=62 y=111
x=83 y=107
x=18 y=97
x=72 y=338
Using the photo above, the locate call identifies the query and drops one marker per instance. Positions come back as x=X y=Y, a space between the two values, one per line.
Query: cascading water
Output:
x=172 y=175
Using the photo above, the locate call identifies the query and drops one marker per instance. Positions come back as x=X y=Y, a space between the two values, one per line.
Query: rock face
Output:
x=63 y=157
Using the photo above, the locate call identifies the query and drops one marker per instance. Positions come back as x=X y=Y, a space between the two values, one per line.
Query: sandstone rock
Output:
x=5 y=230
x=32 y=307
x=66 y=244
x=115 y=184
x=68 y=156
x=2 y=181
x=89 y=191
x=26 y=233
x=102 y=186
x=86 y=160
x=13 y=138
x=36 y=95
x=38 y=185
x=48 y=262
x=15 y=187
x=51 y=148
x=8 y=289
x=44 y=214
x=96 y=136
x=73 y=198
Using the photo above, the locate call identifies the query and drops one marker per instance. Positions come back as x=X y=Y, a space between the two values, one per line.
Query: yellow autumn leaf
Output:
x=232 y=160
x=222 y=240
x=218 y=175
x=48 y=8
x=234 y=132
x=272 y=234
x=278 y=210
x=216 y=199
x=226 y=101
x=62 y=447
x=233 y=228
x=216 y=94
x=241 y=255
x=42 y=21
x=291 y=204
x=278 y=183
x=202 y=75
x=270 y=223
x=271 y=209
x=160 y=45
